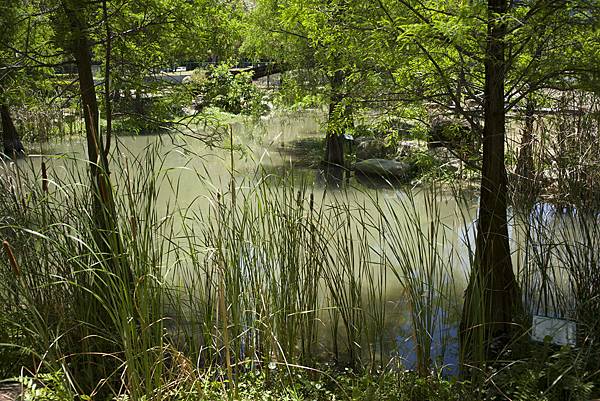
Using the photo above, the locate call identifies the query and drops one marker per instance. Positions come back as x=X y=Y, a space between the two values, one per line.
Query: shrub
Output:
x=219 y=87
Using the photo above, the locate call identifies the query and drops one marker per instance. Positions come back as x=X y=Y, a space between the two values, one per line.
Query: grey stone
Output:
x=384 y=168
x=370 y=148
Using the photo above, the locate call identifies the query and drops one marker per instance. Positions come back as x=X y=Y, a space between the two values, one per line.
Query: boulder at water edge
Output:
x=384 y=168
x=371 y=148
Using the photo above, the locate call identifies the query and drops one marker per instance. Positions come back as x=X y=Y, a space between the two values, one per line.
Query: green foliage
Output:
x=548 y=375
x=12 y=358
x=150 y=112
x=389 y=132
x=135 y=125
x=23 y=83
x=414 y=388
x=280 y=384
x=424 y=162
x=233 y=93
x=45 y=387
x=455 y=134
x=297 y=92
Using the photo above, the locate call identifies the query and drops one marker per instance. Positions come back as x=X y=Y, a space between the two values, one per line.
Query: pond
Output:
x=397 y=254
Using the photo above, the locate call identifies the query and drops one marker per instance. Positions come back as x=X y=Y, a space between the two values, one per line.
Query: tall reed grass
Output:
x=261 y=275
x=560 y=254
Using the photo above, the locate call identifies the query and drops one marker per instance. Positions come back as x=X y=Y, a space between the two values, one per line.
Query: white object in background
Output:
x=562 y=332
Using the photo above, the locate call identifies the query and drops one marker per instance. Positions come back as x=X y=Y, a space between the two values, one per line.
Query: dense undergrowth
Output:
x=262 y=291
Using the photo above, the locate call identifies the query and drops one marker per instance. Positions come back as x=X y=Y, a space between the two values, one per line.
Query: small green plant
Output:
x=424 y=162
x=45 y=387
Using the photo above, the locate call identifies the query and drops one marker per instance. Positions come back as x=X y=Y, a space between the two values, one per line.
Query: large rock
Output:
x=370 y=148
x=384 y=168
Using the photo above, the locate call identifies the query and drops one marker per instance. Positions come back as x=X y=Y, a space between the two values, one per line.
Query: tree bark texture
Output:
x=11 y=142
x=492 y=298
x=104 y=211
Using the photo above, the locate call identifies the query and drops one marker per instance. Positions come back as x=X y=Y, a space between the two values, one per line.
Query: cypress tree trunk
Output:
x=104 y=210
x=492 y=297
x=11 y=142
x=339 y=119
x=89 y=103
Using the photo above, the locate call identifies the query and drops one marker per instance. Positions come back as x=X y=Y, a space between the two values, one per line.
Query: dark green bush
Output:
x=547 y=375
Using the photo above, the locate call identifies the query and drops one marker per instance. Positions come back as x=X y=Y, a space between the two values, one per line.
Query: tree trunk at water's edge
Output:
x=492 y=299
x=11 y=142
x=339 y=119
x=103 y=201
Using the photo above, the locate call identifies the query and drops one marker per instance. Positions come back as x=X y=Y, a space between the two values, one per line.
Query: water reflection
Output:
x=194 y=173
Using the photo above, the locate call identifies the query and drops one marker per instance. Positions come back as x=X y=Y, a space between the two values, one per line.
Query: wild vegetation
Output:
x=453 y=219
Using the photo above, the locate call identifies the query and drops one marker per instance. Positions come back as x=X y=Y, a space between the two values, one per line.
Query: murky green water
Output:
x=281 y=145
x=193 y=173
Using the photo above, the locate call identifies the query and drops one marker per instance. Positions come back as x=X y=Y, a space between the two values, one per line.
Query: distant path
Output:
x=258 y=71
x=177 y=77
